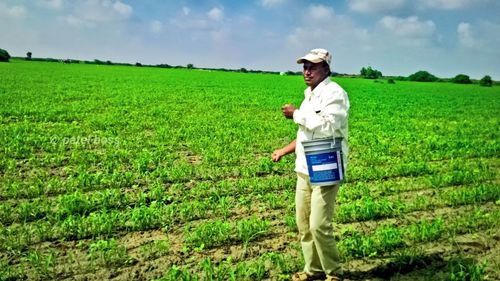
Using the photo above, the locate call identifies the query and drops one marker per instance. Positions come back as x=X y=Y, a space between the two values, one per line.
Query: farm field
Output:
x=137 y=173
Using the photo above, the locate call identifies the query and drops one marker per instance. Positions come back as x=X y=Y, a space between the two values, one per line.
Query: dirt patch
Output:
x=447 y=213
x=428 y=261
x=190 y=157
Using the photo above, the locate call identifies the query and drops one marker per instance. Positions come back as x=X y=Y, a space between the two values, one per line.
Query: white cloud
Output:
x=74 y=21
x=405 y=35
x=271 y=3
x=215 y=14
x=465 y=35
x=90 y=13
x=375 y=6
x=309 y=31
x=18 y=11
x=156 y=26
x=321 y=27
x=320 y=13
x=123 y=9
x=211 y=35
x=410 y=27
x=194 y=22
x=479 y=36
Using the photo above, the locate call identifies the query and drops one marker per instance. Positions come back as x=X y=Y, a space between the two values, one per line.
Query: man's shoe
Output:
x=333 y=278
x=304 y=276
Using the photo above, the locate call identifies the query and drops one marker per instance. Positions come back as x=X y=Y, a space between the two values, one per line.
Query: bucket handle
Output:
x=332 y=145
x=334 y=142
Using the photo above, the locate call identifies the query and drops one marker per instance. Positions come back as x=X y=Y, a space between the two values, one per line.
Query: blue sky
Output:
x=397 y=37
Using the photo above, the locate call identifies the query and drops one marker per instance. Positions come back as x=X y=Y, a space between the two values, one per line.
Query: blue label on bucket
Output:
x=325 y=167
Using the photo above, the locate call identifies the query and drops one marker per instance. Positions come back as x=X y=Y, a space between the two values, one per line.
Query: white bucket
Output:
x=324 y=161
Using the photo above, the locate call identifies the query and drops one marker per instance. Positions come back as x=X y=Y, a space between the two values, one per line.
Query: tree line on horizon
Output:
x=424 y=76
x=365 y=72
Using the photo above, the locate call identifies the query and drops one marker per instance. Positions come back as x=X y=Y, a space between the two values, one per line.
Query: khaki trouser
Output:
x=315 y=207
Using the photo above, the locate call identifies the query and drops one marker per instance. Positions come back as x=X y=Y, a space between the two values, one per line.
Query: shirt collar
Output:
x=320 y=86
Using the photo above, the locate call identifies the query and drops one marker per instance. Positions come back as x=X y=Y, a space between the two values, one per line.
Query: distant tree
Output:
x=138 y=64
x=244 y=70
x=363 y=72
x=422 y=76
x=370 y=73
x=164 y=65
x=4 y=55
x=461 y=79
x=109 y=62
x=190 y=66
x=486 y=81
x=28 y=56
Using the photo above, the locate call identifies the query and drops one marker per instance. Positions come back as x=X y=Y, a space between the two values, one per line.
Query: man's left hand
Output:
x=288 y=110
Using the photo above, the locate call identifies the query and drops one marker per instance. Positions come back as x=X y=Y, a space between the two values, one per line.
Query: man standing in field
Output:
x=323 y=113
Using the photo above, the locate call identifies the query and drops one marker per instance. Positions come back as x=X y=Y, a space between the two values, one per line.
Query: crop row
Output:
x=441 y=174
x=157 y=215
x=368 y=208
x=274 y=265
x=466 y=173
x=353 y=244
x=202 y=197
x=363 y=205
x=387 y=237
x=219 y=202
x=57 y=180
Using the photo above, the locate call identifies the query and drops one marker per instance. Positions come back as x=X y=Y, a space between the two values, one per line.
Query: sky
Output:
x=396 y=37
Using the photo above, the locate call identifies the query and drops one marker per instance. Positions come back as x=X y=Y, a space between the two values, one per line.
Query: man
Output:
x=323 y=113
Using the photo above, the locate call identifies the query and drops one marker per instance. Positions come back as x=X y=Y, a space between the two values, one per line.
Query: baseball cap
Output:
x=316 y=55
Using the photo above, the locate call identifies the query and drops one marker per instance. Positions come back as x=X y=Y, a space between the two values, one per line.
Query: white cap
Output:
x=316 y=55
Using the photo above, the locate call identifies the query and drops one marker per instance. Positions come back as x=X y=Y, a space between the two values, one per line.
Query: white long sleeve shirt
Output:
x=323 y=113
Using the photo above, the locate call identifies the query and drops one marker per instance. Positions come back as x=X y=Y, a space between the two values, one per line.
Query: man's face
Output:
x=314 y=73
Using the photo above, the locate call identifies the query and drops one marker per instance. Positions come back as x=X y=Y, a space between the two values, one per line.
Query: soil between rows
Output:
x=483 y=245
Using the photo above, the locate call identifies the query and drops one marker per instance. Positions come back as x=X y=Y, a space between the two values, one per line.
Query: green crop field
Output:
x=138 y=173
